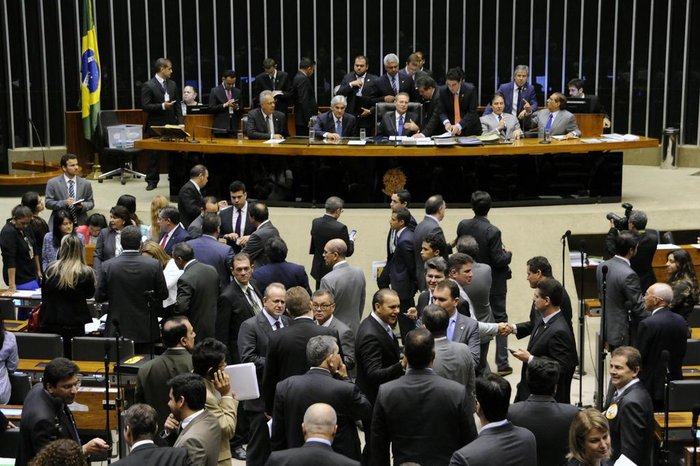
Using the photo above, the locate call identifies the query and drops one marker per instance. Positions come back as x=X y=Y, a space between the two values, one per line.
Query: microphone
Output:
x=211 y=139
x=665 y=356
x=108 y=343
x=566 y=235
x=696 y=413
x=43 y=153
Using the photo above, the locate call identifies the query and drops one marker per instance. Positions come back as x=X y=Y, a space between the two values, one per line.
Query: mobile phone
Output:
x=352 y=234
x=511 y=351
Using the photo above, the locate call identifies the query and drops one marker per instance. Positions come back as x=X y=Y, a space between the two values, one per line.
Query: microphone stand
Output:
x=118 y=399
x=602 y=339
x=107 y=407
x=694 y=430
x=41 y=144
x=664 y=453
x=563 y=257
x=149 y=305
x=581 y=327
x=211 y=135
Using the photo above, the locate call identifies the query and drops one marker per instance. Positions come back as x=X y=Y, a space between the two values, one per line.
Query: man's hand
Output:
x=365 y=112
x=231 y=237
x=571 y=135
x=527 y=108
x=222 y=383
x=340 y=370
x=242 y=240
x=171 y=424
x=169 y=104
x=96 y=445
x=389 y=99
x=357 y=83
x=411 y=126
x=522 y=354
x=501 y=124
x=412 y=313
x=606 y=122
x=404 y=362
x=517 y=134
x=504 y=329
x=456 y=130
x=333 y=136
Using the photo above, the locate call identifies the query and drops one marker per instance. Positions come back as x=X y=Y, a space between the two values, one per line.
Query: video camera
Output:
x=621 y=223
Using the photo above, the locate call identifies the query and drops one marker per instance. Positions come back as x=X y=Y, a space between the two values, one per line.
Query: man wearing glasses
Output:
x=323 y=305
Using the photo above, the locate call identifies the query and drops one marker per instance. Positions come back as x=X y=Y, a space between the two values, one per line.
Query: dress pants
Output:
x=259 y=444
x=498 y=307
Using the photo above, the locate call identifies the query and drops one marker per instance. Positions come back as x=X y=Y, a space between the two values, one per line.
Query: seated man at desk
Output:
x=400 y=122
x=335 y=123
x=555 y=119
x=575 y=87
x=498 y=122
x=265 y=122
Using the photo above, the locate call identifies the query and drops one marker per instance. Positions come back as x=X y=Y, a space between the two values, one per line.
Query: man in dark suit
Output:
x=266 y=122
x=552 y=338
x=62 y=192
x=208 y=250
x=46 y=415
x=323 y=305
x=324 y=229
x=336 y=124
x=235 y=227
x=275 y=81
x=259 y=217
x=253 y=343
x=325 y=382
x=400 y=122
x=278 y=269
x=225 y=103
x=319 y=428
x=377 y=352
x=358 y=88
x=435 y=208
x=542 y=415
x=171 y=230
x=159 y=99
x=392 y=82
x=623 y=298
x=304 y=96
x=519 y=96
x=151 y=387
x=629 y=409
x=499 y=441
x=286 y=352
x=197 y=291
x=647 y=241
x=458 y=100
x=400 y=269
x=493 y=253
x=421 y=405
x=140 y=429
x=133 y=285
x=555 y=119
x=663 y=331
x=189 y=200
x=430 y=98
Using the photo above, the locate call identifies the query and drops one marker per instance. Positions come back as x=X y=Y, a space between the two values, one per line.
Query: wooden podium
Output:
x=590 y=124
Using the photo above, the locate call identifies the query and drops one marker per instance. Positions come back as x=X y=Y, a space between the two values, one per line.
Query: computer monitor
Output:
x=578 y=105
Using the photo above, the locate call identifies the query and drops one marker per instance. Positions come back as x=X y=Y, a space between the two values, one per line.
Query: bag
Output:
x=33 y=324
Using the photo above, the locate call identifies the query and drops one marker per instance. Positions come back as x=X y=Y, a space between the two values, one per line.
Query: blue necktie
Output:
x=71 y=189
x=395 y=84
x=399 y=129
x=450 y=330
x=339 y=128
x=549 y=122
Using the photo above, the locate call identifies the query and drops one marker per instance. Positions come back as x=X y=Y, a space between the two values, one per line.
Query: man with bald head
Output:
x=319 y=428
x=346 y=282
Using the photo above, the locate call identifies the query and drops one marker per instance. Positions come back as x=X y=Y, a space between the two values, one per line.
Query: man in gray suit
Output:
x=459 y=272
x=259 y=217
x=499 y=441
x=198 y=429
x=347 y=283
x=554 y=118
x=63 y=191
x=323 y=305
x=461 y=328
x=498 y=122
x=623 y=296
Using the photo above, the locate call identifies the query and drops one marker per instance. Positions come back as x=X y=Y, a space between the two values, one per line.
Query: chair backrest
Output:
x=7 y=309
x=104 y=119
x=93 y=348
x=384 y=107
x=21 y=383
x=694 y=317
x=683 y=394
x=692 y=354
x=39 y=345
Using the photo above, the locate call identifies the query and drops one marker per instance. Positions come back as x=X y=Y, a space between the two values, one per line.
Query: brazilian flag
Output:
x=90 y=72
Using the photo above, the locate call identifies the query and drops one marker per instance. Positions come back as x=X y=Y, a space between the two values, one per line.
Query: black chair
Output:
x=383 y=107
x=694 y=317
x=125 y=156
x=39 y=345
x=7 y=309
x=683 y=394
x=692 y=354
x=93 y=348
x=21 y=383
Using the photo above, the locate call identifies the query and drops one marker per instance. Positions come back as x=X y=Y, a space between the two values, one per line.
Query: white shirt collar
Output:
x=549 y=317
x=66 y=178
x=160 y=80
x=491 y=425
x=141 y=442
x=384 y=325
x=626 y=260
x=654 y=311
x=195 y=185
x=319 y=440
x=338 y=263
x=271 y=319
x=622 y=390
x=327 y=323
x=185 y=422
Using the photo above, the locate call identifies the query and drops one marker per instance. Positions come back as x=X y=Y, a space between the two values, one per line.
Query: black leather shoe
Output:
x=238 y=453
x=505 y=371
x=151 y=186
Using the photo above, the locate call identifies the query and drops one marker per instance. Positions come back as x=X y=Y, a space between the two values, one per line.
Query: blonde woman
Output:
x=170 y=270
x=589 y=439
x=157 y=203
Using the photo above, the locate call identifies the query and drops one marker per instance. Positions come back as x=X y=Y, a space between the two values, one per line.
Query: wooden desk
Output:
x=679 y=424
x=691 y=372
x=661 y=256
x=695 y=333
x=86 y=367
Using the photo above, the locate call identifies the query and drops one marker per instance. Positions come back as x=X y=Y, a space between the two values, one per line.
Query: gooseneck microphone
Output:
x=41 y=144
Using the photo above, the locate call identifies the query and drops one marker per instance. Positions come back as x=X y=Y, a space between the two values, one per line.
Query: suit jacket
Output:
x=43 y=421
x=57 y=193
x=179 y=235
x=253 y=341
x=550 y=422
x=123 y=282
x=224 y=118
x=357 y=102
x=383 y=88
x=489 y=125
x=324 y=229
x=664 y=330
x=347 y=341
x=378 y=358
x=478 y=291
x=151 y=380
x=414 y=408
x=641 y=261
x=388 y=124
x=623 y=294
x=286 y=354
x=233 y=309
x=467 y=331
x=227 y=226
x=152 y=99
x=563 y=123
x=401 y=267
x=208 y=250
x=629 y=430
x=555 y=341
x=311 y=454
x=491 y=251
x=201 y=438
x=189 y=203
x=469 y=119
x=527 y=94
x=287 y=273
x=427 y=226
x=305 y=105
x=255 y=247
x=525 y=329
x=325 y=123
x=224 y=410
x=505 y=445
x=153 y=455
x=347 y=283
x=105 y=249
x=197 y=292
x=295 y=394
x=454 y=361
x=257 y=128
x=263 y=82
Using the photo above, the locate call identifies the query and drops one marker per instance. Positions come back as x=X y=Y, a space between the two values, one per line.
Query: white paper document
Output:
x=244 y=381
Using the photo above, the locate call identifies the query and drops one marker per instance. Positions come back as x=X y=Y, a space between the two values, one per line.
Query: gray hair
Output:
x=265 y=95
x=339 y=99
x=390 y=58
x=638 y=219
x=662 y=291
x=467 y=244
x=333 y=203
x=319 y=348
x=519 y=68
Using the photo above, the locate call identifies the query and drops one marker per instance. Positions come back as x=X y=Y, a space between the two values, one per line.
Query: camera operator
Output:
x=646 y=247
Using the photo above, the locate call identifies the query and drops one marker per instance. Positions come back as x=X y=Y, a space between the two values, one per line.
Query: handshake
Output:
x=504 y=329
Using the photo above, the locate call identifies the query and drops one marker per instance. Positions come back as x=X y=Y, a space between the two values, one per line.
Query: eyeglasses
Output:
x=324 y=306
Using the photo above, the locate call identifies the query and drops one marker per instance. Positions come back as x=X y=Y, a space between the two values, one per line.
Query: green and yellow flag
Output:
x=90 y=72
